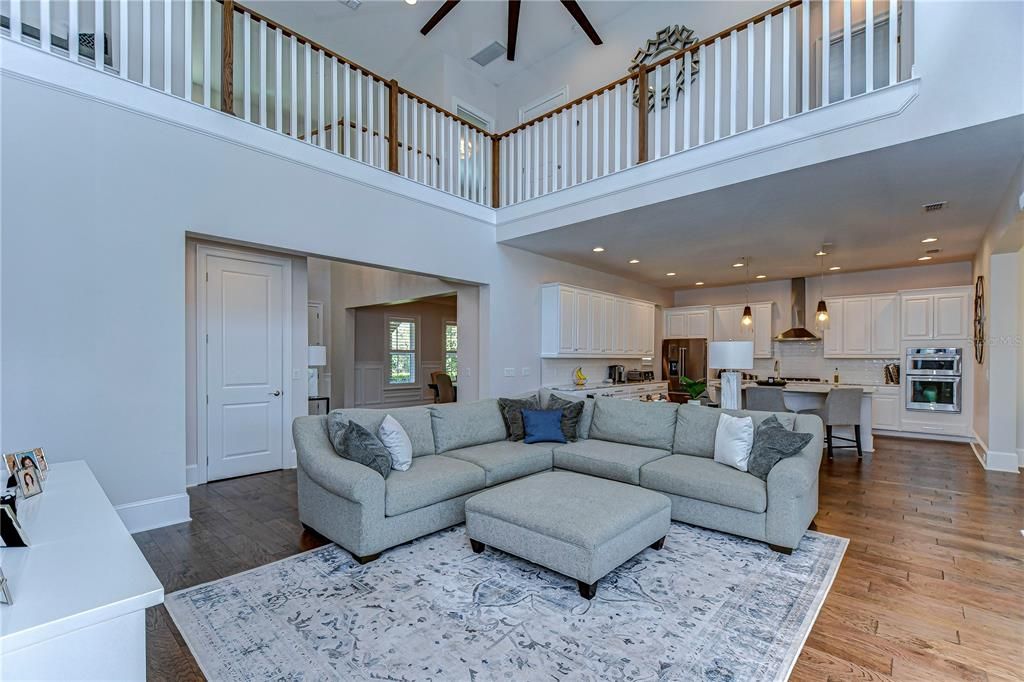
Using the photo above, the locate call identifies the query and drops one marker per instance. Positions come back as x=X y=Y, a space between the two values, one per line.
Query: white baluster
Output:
x=147 y=41
x=629 y=129
x=247 y=66
x=414 y=144
x=294 y=48
x=308 y=108
x=750 y=76
x=545 y=168
x=606 y=98
x=207 y=37
x=657 y=111
x=122 y=56
x=278 y=81
x=370 y=142
x=767 y=118
x=485 y=176
x=826 y=45
x=403 y=137
x=894 y=25
x=168 y=38
x=673 y=78
x=16 y=23
x=45 y=34
x=336 y=127
x=701 y=94
x=359 y=136
x=584 y=147
x=718 y=89
x=423 y=152
x=734 y=87
x=847 y=47
x=433 y=147
x=869 y=45
x=73 y=26
x=617 y=136
x=786 y=19
x=574 y=125
x=535 y=161
x=320 y=124
x=594 y=167
x=520 y=167
x=687 y=101
x=453 y=150
x=263 y=73
x=805 y=56
x=346 y=113
x=99 y=37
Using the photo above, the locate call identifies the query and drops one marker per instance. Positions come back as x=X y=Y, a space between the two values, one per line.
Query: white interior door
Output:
x=245 y=330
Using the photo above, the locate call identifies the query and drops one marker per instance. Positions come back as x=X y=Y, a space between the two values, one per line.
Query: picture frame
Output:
x=30 y=483
x=12 y=533
x=44 y=468
x=10 y=464
x=5 y=590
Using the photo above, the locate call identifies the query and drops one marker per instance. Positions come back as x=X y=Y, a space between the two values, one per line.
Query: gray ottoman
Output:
x=577 y=525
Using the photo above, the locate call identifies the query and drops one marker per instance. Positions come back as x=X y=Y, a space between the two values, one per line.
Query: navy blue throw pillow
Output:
x=543 y=426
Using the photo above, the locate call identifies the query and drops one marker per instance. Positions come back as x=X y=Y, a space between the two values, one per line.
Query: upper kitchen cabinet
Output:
x=728 y=327
x=578 y=322
x=688 y=323
x=862 y=326
x=936 y=314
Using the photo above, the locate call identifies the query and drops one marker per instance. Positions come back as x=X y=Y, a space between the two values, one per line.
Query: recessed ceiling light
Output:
x=925 y=258
x=835 y=267
x=598 y=249
x=929 y=240
x=410 y=2
x=670 y=274
x=760 y=276
x=737 y=265
x=633 y=261
x=700 y=284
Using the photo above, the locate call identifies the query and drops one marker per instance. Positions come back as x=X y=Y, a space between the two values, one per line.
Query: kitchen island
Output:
x=810 y=395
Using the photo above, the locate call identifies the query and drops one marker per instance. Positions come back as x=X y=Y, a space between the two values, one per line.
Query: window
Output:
x=451 y=348
x=401 y=351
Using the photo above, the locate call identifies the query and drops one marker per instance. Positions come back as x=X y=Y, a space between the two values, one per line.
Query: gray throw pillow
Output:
x=773 y=442
x=355 y=442
x=571 y=411
x=512 y=413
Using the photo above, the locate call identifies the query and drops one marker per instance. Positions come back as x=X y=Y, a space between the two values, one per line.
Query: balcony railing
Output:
x=798 y=56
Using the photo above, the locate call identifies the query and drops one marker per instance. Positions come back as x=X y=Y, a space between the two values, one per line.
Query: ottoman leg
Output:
x=363 y=560
x=477 y=545
x=587 y=590
x=659 y=544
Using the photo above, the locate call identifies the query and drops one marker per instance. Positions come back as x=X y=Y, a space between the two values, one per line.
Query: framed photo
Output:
x=11 y=531
x=10 y=464
x=41 y=460
x=29 y=482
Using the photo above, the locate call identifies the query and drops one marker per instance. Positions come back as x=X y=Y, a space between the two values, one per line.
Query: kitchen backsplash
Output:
x=559 y=371
x=806 y=359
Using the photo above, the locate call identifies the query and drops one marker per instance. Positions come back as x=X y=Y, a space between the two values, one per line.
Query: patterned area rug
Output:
x=708 y=606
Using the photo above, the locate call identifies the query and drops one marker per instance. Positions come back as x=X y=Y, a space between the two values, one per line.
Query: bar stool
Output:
x=842 y=408
x=765 y=399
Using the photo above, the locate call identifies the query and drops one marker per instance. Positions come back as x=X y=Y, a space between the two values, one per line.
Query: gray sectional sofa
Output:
x=460 y=449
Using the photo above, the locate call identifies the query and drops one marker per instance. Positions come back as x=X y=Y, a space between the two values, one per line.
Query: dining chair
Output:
x=445 y=392
x=765 y=399
x=842 y=408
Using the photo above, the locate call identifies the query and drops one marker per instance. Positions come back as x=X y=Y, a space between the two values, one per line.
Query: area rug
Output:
x=708 y=606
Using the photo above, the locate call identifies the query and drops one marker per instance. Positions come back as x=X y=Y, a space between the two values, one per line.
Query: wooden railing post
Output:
x=495 y=171
x=227 y=45
x=393 y=126
x=641 y=116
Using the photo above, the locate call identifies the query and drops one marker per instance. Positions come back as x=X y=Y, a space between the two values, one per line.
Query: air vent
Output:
x=937 y=206
x=489 y=54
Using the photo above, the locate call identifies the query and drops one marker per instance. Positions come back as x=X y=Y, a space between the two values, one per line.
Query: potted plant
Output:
x=695 y=388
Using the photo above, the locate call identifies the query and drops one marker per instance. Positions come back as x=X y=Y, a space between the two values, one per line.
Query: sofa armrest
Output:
x=343 y=477
x=794 y=476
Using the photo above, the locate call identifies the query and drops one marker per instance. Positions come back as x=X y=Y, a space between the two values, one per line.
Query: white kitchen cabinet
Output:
x=885 y=408
x=577 y=322
x=862 y=326
x=688 y=323
x=936 y=314
x=762 y=329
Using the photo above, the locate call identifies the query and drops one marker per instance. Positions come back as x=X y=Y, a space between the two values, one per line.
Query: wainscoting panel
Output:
x=371 y=388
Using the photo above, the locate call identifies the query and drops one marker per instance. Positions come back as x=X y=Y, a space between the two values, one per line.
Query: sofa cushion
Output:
x=586 y=416
x=696 y=426
x=462 y=425
x=616 y=461
x=512 y=413
x=430 y=480
x=415 y=421
x=700 y=478
x=506 y=460
x=633 y=422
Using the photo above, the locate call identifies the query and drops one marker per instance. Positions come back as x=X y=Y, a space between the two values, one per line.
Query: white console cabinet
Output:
x=579 y=322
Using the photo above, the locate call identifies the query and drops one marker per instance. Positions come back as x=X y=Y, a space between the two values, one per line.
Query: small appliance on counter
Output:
x=648 y=375
x=617 y=373
x=634 y=375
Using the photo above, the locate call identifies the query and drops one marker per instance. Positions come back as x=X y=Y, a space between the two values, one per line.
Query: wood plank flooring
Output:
x=931 y=588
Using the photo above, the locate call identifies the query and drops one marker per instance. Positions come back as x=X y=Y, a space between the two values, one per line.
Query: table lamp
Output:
x=317 y=357
x=729 y=356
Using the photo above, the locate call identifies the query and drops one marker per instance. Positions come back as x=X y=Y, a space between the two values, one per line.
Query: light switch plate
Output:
x=526 y=371
x=510 y=371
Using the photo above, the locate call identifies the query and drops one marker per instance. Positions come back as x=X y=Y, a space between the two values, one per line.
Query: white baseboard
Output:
x=191 y=475
x=1002 y=461
x=1020 y=457
x=154 y=513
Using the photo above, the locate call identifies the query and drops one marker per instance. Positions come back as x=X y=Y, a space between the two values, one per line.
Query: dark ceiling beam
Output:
x=577 y=13
x=513 y=29
x=440 y=14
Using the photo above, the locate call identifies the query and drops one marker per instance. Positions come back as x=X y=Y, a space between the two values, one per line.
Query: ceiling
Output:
x=868 y=206
x=545 y=27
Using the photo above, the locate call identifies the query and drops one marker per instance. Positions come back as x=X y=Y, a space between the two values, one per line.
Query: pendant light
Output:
x=747 y=320
x=821 y=318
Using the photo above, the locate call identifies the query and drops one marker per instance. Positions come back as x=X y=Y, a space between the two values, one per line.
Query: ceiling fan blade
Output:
x=440 y=14
x=513 y=29
x=577 y=13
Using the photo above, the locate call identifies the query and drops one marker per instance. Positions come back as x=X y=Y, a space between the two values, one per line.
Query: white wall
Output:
x=319 y=273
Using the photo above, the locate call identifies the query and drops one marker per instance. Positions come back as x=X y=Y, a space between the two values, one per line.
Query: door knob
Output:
x=276 y=393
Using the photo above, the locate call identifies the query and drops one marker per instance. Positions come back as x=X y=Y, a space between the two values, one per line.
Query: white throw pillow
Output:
x=396 y=440
x=733 y=440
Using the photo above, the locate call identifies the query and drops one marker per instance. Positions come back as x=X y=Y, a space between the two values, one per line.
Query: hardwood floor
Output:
x=931 y=587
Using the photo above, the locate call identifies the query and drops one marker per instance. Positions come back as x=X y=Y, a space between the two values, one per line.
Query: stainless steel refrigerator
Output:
x=683 y=357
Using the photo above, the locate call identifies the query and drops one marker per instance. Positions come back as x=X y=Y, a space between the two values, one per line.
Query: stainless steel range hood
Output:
x=798 y=308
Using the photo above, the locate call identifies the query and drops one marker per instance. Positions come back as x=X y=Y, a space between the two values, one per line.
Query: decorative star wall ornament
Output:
x=666 y=41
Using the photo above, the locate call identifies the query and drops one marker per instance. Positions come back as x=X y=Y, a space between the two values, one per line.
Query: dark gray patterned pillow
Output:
x=571 y=411
x=512 y=413
x=773 y=442
x=354 y=442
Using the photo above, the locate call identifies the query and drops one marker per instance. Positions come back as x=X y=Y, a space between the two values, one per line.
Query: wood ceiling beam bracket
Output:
x=576 y=11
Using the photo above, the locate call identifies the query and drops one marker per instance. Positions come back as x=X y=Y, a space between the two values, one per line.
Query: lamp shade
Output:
x=731 y=355
x=317 y=356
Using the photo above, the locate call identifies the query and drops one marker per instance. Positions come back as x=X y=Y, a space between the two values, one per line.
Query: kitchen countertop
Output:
x=597 y=385
x=811 y=386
